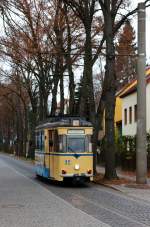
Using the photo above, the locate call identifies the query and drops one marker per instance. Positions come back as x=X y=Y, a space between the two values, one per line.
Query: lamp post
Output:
x=141 y=153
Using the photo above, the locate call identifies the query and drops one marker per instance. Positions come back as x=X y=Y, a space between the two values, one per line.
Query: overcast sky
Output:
x=134 y=4
x=134 y=21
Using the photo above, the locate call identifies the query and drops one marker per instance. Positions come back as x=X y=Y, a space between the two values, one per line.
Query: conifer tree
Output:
x=126 y=56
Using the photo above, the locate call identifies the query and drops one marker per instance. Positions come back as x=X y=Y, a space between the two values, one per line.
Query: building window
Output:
x=130 y=115
x=125 y=116
x=135 y=113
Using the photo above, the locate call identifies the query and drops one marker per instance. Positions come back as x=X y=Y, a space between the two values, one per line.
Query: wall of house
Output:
x=118 y=110
x=130 y=128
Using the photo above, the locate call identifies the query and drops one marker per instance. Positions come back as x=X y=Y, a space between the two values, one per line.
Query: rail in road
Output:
x=100 y=203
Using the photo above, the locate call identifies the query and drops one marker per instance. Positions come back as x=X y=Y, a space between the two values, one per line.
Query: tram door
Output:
x=51 y=150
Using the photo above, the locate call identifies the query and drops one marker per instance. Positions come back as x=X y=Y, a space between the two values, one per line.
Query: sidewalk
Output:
x=123 y=174
x=129 y=189
x=24 y=202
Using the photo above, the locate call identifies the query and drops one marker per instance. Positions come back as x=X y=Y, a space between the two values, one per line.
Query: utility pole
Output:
x=141 y=153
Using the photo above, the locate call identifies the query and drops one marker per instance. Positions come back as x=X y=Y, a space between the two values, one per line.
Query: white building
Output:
x=129 y=107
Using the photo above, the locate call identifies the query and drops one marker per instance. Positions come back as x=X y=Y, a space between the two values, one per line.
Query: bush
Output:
x=126 y=148
x=125 y=152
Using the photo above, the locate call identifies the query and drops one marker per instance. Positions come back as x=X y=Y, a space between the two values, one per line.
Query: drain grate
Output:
x=12 y=206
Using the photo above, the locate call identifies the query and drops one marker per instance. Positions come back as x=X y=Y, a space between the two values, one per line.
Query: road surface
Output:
x=28 y=202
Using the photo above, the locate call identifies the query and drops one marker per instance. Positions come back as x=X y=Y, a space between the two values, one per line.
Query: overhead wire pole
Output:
x=141 y=153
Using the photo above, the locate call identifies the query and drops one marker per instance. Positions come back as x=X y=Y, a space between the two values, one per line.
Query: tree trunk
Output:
x=62 y=100
x=98 y=125
x=55 y=88
x=43 y=108
x=71 y=90
x=110 y=171
x=25 y=130
x=69 y=65
x=33 y=118
x=87 y=102
x=33 y=123
x=54 y=96
x=20 y=128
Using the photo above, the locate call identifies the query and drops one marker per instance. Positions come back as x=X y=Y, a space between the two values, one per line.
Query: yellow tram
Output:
x=64 y=149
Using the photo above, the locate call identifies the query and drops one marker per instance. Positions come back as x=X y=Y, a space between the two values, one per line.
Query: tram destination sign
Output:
x=76 y=131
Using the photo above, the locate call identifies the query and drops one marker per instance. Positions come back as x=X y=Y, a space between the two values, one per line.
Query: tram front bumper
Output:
x=78 y=177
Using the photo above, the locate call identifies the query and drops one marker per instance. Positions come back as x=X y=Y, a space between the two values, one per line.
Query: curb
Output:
x=18 y=158
x=108 y=186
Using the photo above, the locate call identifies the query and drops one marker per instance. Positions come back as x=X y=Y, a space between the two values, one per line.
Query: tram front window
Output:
x=76 y=144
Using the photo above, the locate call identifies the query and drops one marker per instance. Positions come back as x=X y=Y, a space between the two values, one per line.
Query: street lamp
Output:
x=141 y=153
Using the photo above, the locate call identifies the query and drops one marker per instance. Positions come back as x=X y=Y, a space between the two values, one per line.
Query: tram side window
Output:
x=37 y=141
x=40 y=141
x=62 y=143
x=88 y=144
x=56 y=141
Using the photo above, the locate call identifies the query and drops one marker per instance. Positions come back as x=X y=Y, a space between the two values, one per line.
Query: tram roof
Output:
x=65 y=121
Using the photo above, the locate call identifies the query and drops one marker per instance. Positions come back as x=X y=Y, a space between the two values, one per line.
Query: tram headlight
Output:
x=77 y=166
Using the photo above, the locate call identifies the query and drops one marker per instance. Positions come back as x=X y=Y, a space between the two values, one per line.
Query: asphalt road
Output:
x=49 y=204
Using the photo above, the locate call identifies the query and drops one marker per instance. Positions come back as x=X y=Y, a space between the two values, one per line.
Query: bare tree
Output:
x=85 y=11
x=112 y=24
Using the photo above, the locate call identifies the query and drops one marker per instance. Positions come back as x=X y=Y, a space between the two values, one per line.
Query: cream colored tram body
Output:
x=64 y=149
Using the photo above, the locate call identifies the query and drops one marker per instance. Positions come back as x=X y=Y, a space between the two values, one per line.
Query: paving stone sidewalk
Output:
x=141 y=194
x=23 y=202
